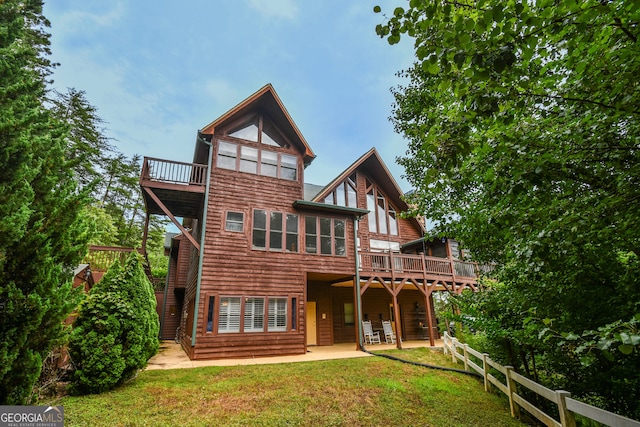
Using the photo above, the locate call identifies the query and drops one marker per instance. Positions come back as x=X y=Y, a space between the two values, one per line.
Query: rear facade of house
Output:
x=266 y=265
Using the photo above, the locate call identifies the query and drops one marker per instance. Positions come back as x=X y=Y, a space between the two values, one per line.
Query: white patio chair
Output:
x=370 y=337
x=389 y=335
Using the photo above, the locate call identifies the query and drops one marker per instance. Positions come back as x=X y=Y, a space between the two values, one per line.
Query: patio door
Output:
x=312 y=324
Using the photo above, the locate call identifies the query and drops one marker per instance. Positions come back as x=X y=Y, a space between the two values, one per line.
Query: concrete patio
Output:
x=171 y=355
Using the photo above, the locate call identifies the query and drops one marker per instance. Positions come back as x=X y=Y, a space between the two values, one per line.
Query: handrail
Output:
x=101 y=257
x=386 y=262
x=567 y=407
x=173 y=172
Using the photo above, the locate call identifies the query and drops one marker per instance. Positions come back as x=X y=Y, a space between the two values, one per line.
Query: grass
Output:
x=370 y=391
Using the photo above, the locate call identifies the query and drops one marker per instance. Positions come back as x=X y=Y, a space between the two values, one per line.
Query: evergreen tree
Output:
x=43 y=235
x=116 y=331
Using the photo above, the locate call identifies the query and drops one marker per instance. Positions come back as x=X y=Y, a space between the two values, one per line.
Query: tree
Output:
x=43 y=235
x=523 y=122
x=116 y=331
x=87 y=146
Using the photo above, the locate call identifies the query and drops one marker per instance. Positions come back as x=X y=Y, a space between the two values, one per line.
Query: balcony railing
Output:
x=388 y=263
x=171 y=172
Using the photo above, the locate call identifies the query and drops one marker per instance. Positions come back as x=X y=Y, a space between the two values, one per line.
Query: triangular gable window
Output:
x=250 y=132
x=261 y=131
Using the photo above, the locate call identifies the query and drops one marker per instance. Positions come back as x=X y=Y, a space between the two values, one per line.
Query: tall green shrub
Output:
x=116 y=331
x=42 y=233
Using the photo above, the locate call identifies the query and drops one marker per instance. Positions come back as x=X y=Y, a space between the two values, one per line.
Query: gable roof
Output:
x=374 y=166
x=265 y=99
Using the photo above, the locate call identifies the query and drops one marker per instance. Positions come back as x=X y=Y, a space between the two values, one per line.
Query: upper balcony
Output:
x=421 y=267
x=179 y=186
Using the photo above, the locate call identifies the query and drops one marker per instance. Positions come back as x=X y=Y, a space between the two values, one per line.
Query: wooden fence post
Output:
x=454 y=349
x=567 y=419
x=511 y=388
x=485 y=371
x=466 y=357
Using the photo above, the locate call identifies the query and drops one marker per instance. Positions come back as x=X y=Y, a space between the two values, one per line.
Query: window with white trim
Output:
x=277 y=315
x=229 y=315
x=234 y=222
x=382 y=216
x=256 y=160
x=254 y=314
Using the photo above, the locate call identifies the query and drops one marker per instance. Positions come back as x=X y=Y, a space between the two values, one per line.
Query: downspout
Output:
x=356 y=220
x=203 y=228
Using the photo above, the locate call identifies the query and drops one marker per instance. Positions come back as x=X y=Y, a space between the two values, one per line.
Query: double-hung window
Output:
x=234 y=222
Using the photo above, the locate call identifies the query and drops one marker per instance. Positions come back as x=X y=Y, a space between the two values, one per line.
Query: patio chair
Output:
x=389 y=335
x=370 y=337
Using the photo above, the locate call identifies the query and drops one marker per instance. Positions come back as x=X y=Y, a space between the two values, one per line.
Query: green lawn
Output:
x=350 y=392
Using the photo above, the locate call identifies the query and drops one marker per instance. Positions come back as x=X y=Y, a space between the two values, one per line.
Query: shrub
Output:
x=116 y=331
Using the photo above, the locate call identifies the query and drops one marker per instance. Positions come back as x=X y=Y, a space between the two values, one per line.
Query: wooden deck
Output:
x=441 y=272
x=179 y=186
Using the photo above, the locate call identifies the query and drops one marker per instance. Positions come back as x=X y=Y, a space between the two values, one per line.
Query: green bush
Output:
x=116 y=331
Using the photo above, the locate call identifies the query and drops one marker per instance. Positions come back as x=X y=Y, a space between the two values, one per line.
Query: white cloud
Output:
x=287 y=9
x=76 y=21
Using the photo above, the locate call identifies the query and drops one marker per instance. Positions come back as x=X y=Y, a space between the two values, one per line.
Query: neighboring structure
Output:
x=268 y=265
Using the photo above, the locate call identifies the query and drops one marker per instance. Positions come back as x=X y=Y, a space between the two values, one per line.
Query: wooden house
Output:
x=267 y=265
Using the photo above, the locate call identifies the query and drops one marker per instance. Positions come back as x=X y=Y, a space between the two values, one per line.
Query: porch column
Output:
x=427 y=299
x=396 y=315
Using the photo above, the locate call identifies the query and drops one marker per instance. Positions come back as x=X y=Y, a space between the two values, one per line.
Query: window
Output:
x=294 y=311
x=259 y=229
x=278 y=234
x=254 y=314
x=248 y=159
x=331 y=234
x=325 y=236
x=210 y=314
x=289 y=168
x=344 y=194
x=234 y=222
x=250 y=133
x=229 y=310
x=277 y=314
x=255 y=160
x=275 y=232
x=269 y=164
x=227 y=154
x=292 y=233
x=339 y=240
x=382 y=217
x=311 y=235
x=349 y=317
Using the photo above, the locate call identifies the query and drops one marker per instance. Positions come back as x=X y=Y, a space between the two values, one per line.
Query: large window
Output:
x=344 y=194
x=277 y=314
x=254 y=314
x=229 y=310
x=279 y=233
x=325 y=233
x=250 y=314
x=255 y=160
x=382 y=216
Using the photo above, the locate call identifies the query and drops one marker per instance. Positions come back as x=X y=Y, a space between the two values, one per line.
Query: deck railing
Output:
x=405 y=263
x=101 y=257
x=174 y=172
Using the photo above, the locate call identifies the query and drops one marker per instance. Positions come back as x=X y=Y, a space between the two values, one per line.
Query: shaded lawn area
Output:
x=350 y=392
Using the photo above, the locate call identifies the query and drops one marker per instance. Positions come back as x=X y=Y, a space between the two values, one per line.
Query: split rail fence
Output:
x=567 y=407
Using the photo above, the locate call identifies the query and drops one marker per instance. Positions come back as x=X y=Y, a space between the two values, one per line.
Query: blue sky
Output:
x=160 y=70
